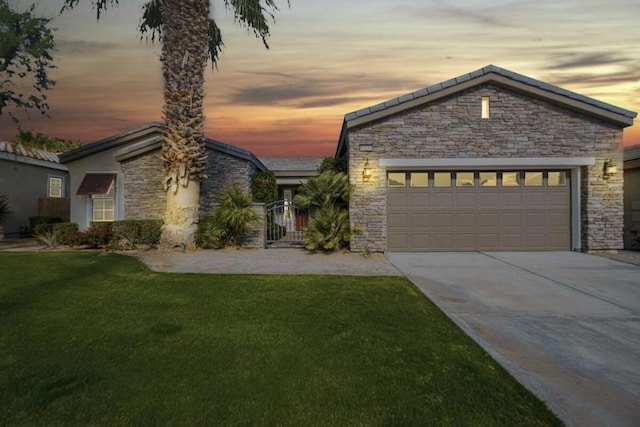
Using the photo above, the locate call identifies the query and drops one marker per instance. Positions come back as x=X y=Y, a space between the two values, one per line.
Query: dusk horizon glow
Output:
x=327 y=59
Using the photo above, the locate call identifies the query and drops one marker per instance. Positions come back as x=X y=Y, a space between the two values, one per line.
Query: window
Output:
x=419 y=179
x=510 y=179
x=442 y=179
x=103 y=206
x=532 y=179
x=556 y=179
x=464 y=179
x=396 y=179
x=485 y=107
x=55 y=187
x=488 y=179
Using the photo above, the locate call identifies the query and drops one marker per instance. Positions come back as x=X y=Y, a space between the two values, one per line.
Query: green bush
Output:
x=275 y=231
x=99 y=234
x=328 y=231
x=264 y=188
x=323 y=191
x=132 y=232
x=34 y=221
x=229 y=222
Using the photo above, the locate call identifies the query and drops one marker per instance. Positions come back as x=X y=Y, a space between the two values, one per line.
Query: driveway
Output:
x=565 y=324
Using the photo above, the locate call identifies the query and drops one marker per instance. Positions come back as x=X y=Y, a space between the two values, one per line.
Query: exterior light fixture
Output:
x=366 y=172
x=609 y=169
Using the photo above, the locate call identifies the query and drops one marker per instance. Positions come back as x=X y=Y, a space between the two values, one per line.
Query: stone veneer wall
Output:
x=223 y=170
x=144 y=196
x=519 y=126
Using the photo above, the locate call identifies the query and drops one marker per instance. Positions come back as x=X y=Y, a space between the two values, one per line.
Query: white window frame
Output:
x=50 y=187
x=102 y=198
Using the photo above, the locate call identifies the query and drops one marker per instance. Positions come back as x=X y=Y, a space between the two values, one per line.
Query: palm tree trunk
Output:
x=184 y=58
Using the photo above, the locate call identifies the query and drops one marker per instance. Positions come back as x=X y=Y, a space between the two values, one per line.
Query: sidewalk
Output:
x=268 y=261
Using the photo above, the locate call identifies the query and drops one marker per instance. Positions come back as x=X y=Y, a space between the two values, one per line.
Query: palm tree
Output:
x=189 y=39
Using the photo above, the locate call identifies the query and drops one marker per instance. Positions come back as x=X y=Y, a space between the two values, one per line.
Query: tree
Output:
x=43 y=142
x=26 y=43
x=189 y=38
x=264 y=187
x=333 y=164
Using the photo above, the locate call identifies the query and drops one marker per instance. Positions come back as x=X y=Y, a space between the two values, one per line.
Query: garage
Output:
x=478 y=210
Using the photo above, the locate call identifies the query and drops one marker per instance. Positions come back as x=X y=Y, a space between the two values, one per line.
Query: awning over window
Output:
x=96 y=183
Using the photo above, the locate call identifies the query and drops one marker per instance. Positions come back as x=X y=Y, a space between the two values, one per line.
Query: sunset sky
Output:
x=330 y=57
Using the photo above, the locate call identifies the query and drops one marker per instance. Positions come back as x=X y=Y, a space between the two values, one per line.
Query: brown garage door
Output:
x=478 y=210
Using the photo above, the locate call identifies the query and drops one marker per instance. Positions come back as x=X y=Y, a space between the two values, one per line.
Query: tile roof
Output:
x=489 y=69
x=308 y=164
x=31 y=153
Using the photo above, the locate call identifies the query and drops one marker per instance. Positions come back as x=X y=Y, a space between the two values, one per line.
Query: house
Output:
x=121 y=177
x=36 y=184
x=291 y=172
x=632 y=197
x=488 y=161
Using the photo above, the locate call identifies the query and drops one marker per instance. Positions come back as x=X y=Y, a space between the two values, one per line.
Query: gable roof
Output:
x=489 y=74
x=150 y=138
x=300 y=165
x=34 y=156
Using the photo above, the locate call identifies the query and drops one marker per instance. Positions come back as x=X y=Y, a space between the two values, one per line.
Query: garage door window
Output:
x=442 y=179
x=465 y=179
x=419 y=179
x=396 y=179
x=488 y=179
x=533 y=179
x=511 y=179
x=557 y=179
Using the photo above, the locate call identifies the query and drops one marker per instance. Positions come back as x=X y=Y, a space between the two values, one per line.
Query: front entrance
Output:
x=285 y=224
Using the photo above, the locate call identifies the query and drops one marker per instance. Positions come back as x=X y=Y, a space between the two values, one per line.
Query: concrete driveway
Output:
x=565 y=324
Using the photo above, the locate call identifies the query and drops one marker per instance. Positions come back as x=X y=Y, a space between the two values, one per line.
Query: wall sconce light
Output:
x=609 y=169
x=366 y=172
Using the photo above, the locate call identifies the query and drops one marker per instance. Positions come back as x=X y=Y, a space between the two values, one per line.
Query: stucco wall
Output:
x=519 y=126
x=24 y=184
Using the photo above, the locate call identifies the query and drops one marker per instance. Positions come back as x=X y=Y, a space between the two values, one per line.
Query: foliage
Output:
x=25 y=53
x=130 y=233
x=43 y=142
x=331 y=164
x=47 y=235
x=35 y=221
x=264 y=188
x=5 y=209
x=328 y=231
x=229 y=221
x=94 y=339
x=275 y=231
x=53 y=233
x=254 y=15
x=324 y=190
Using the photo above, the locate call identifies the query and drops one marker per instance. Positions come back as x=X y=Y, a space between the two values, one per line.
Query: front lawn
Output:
x=88 y=338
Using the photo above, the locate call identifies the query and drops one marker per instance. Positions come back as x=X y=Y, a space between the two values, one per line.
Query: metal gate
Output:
x=285 y=224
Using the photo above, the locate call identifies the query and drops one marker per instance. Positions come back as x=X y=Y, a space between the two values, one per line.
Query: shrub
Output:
x=264 y=188
x=4 y=208
x=229 y=222
x=99 y=234
x=275 y=231
x=34 y=221
x=133 y=232
x=323 y=191
x=334 y=165
x=328 y=231
x=47 y=235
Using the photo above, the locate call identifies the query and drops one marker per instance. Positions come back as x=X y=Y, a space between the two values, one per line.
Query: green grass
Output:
x=89 y=338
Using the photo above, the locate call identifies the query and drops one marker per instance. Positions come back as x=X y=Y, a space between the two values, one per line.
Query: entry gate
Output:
x=285 y=224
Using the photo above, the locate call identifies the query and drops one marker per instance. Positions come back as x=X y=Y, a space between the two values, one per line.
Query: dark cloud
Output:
x=564 y=61
x=598 y=79
x=328 y=91
x=439 y=9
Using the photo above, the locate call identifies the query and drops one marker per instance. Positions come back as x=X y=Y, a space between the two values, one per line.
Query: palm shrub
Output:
x=328 y=194
x=324 y=190
x=329 y=230
x=230 y=220
x=4 y=208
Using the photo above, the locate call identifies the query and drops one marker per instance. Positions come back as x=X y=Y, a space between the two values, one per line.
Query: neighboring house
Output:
x=121 y=177
x=291 y=172
x=632 y=197
x=36 y=183
x=491 y=160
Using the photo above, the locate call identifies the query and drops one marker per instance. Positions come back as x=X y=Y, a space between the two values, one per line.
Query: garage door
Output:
x=478 y=210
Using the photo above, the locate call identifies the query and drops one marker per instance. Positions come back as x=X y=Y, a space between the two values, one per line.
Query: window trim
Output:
x=50 y=178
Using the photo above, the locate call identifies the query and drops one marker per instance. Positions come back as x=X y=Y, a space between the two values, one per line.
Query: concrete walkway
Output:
x=565 y=324
x=268 y=261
